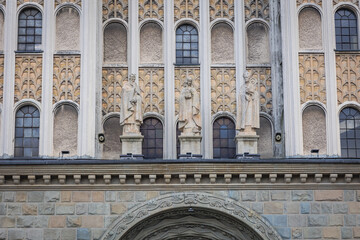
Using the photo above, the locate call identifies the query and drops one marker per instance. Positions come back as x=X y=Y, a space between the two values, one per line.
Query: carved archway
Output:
x=188 y=216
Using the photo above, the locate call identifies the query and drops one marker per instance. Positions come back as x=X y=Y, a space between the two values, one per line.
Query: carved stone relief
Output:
x=151 y=47
x=151 y=82
x=112 y=82
x=66 y=84
x=28 y=77
x=258 y=44
x=317 y=2
x=310 y=31
x=356 y=2
x=151 y=9
x=115 y=9
x=115 y=43
x=264 y=86
x=181 y=74
x=348 y=77
x=223 y=90
x=221 y=9
x=1 y=78
x=257 y=9
x=19 y=2
x=312 y=78
x=186 y=9
x=222 y=44
x=67 y=29
x=58 y=2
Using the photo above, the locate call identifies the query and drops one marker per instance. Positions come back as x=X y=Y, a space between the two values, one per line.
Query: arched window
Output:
x=115 y=43
x=346 y=30
x=152 y=130
x=30 y=30
x=350 y=132
x=187 y=45
x=224 y=138
x=27 y=124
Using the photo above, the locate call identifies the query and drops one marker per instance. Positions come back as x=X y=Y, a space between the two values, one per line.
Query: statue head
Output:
x=188 y=81
x=132 y=78
x=246 y=76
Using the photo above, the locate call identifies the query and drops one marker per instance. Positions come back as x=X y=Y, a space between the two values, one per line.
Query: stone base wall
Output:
x=295 y=214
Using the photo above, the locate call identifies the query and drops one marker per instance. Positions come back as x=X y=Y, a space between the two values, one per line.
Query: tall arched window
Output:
x=30 y=30
x=224 y=138
x=187 y=45
x=346 y=30
x=152 y=130
x=27 y=125
x=350 y=132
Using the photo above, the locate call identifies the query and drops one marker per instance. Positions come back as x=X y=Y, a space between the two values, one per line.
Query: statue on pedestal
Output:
x=189 y=115
x=131 y=113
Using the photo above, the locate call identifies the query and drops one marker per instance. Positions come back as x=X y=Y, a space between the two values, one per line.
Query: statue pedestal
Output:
x=131 y=144
x=246 y=142
x=190 y=144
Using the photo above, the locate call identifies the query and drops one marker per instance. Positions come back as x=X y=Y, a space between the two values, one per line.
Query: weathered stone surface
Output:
x=2 y=208
x=92 y=221
x=73 y=222
x=110 y=196
x=65 y=196
x=285 y=233
x=305 y=207
x=3 y=234
x=258 y=207
x=34 y=234
x=41 y=222
x=317 y=220
x=16 y=234
x=340 y=208
x=83 y=234
x=312 y=233
x=248 y=196
x=326 y=208
x=302 y=195
x=65 y=209
x=315 y=208
x=57 y=221
x=9 y=197
x=81 y=208
x=81 y=196
x=118 y=208
x=336 y=220
x=29 y=209
x=354 y=207
x=68 y=234
x=99 y=209
x=346 y=233
x=155 y=194
x=7 y=222
x=47 y=208
x=280 y=195
x=124 y=196
x=358 y=195
x=297 y=221
x=350 y=220
x=109 y=220
x=329 y=195
x=356 y=232
x=97 y=233
x=21 y=197
x=24 y=221
x=349 y=195
x=140 y=196
x=263 y=196
x=52 y=196
x=52 y=234
x=331 y=233
x=292 y=208
x=13 y=209
x=296 y=233
x=98 y=196
x=35 y=196
x=273 y=208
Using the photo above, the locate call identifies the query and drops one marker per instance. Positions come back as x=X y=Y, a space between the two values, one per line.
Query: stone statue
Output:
x=131 y=114
x=189 y=115
x=249 y=106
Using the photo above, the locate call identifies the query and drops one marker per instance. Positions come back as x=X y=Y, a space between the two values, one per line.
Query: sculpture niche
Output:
x=189 y=119
x=131 y=117
x=248 y=116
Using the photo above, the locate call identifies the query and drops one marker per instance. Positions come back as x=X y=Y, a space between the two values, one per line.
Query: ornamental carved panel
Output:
x=58 y=2
x=356 y=2
x=317 y=2
x=19 y=2
x=257 y=9
x=151 y=9
x=151 y=83
x=112 y=82
x=223 y=90
x=1 y=78
x=115 y=9
x=312 y=78
x=66 y=84
x=28 y=77
x=263 y=75
x=186 y=9
x=348 y=77
x=221 y=9
x=181 y=74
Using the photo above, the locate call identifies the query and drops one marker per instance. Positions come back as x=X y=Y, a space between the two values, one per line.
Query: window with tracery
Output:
x=152 y=130
x=346 y=30
x=224 y=138
x=30 y=30
x=27 y=129
x=187 y=45
x=350 y=133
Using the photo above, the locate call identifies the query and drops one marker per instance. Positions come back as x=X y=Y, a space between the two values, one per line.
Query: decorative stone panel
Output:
x=317 y=2
x=112 y=82
x=348 y=77
x=151 y=83
x=223 y=90
x=312 y=78
x=19 y=2
x=1 y=78
x=28 y=77
x=58 y=2
x=221 y=9
x=263 y=75
x=186 y=9
x=181 y=74
x=257 y=9
x=151 y=9
x=356 y=2
x=115 y=9
x=66 y=84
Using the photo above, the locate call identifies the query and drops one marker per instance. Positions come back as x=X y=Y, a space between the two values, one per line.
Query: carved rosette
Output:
x=112 y=81
x=223 y=90
x=1 y=78
x=312 y=78
x=19 y=2
x=151 y=9
x=115 y=9
x=257 y=9
x=348 y=77
x=28 y=77
x=317 y=2
x=221 y=9
x=356 y=2
x=263 y=75
x=181 y=74
x=66 y=84
x=151 y=83
x=186 y=9
x=58 y=2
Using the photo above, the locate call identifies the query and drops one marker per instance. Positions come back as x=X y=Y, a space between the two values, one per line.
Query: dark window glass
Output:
x=224 y=138
x=187 y=47
x=30 y=30
x=346 y=30
x=350 y=133
x=27 y=123
x=152 y=130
